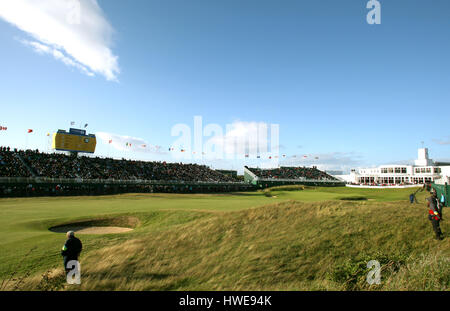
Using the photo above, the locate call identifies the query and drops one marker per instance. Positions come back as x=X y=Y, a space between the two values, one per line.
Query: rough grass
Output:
x=293 y=244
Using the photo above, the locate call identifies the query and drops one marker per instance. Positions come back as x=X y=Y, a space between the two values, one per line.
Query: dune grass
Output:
x=298 y=240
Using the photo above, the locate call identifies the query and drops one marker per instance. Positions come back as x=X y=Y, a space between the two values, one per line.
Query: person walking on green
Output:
x=71 y=249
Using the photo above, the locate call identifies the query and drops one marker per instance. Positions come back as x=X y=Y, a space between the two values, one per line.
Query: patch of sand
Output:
x=90 y=229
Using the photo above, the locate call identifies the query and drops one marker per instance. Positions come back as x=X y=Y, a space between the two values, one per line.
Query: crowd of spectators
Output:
x=292 y=173
x=59 y=165
x=11 y=165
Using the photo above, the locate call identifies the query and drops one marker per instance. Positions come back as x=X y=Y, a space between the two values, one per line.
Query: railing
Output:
x=31 y=180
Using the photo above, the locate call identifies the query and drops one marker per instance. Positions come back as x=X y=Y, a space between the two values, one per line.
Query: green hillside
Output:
x=307 y=239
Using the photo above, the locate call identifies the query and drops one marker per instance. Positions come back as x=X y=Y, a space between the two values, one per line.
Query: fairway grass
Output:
x=295 y=240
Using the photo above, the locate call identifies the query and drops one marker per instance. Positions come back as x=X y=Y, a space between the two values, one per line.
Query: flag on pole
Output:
x=72 y=123
x=246 y=155
x=144 y=146
x=86 y=125
x=48 y=134
x=2 y=128
x=110 y=141
x=30 y=131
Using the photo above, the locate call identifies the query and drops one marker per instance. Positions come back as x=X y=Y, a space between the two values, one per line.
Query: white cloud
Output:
x=247 y=138
x=58 y=55
x=445 y=141
x=75 y=32
x=119 y=142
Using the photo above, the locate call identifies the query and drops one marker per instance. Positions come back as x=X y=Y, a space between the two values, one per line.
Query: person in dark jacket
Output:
x=435 y=213
x=71 y=249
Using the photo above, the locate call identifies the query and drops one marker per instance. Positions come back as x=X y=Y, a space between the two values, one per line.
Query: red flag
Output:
x=110 y=141
x=30 y=131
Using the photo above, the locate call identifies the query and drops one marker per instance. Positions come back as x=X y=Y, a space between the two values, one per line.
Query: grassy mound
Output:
x=286 y=246
x=297 y=240
x=269 y=192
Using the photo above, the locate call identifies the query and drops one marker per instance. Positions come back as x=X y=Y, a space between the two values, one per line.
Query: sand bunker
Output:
x=90 y=230
x=99 y=226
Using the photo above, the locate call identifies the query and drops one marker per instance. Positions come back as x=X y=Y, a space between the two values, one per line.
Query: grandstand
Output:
x=11 y=165
x=289 y=176
x=32 y=172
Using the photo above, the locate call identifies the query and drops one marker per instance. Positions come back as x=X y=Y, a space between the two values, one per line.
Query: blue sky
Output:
x=350 y=93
